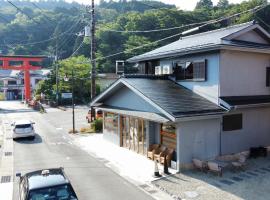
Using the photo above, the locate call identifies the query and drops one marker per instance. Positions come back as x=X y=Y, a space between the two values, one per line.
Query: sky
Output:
x=182 y=4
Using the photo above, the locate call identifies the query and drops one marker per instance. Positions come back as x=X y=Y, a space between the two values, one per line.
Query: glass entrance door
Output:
x=133 y=134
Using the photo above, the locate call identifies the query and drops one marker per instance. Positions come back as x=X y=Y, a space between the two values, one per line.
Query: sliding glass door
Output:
x=133 y=134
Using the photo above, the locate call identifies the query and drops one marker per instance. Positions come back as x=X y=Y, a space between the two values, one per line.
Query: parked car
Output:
x=23 y=128
x=48 y=184
x=98 y=115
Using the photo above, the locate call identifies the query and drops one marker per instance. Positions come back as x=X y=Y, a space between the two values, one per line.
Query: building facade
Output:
x=204 y=95
x=12 y=82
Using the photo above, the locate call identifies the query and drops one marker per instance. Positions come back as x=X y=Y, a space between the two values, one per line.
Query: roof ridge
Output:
x=217 y=30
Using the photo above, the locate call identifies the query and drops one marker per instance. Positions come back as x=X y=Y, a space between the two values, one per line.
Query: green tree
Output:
x=204 y=4
x=223 y=4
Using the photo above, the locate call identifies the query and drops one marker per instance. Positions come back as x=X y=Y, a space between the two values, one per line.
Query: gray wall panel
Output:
x=255 y=131
x=198 y=139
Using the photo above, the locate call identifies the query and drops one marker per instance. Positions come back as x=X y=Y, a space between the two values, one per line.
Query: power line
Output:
x=254 y=10
x=77 y=49
x=152 y=30
x=67 y=40
x=42 y=10
x=20 y=10
x=145 y=45
x=42 y=41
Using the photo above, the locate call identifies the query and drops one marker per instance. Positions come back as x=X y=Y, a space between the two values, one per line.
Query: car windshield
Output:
x=63 y=192
x=23 y=126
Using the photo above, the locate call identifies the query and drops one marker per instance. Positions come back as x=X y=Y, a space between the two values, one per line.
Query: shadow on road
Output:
x=37 y=140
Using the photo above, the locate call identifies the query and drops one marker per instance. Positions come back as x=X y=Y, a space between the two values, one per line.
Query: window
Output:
x=232 y=122
x=12 y=82
x=267 y=76
x=168 y=128
x=54 y=192
x=168 y=135
x=111 y=121
x=195 y=71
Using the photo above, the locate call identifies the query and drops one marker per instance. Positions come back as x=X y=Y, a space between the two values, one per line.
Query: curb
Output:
x=62 y=108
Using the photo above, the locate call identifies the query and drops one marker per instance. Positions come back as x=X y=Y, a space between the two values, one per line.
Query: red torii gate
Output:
x=26 y=67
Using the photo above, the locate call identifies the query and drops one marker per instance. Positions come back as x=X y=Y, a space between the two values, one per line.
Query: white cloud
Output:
x=183 y=4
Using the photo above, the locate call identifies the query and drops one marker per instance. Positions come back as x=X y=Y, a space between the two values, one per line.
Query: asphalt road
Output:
x=53 y=148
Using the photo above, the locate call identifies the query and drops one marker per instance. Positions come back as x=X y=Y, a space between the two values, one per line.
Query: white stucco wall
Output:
x=243 y=73
x=255 y=131
x=208 y=89
x=198 y=139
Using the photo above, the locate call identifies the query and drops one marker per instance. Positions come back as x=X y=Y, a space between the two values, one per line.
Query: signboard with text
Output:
x=66 y=95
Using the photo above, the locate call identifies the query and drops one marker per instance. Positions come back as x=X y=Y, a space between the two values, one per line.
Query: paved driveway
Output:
x=251 y=184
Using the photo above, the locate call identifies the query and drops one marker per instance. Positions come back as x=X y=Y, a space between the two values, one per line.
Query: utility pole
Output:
x=93 y=57
x=56 y=71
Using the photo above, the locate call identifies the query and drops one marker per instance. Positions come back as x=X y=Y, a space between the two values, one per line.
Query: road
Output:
x=53 y=147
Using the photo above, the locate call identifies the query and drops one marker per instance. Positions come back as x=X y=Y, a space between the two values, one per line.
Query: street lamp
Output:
x=66 y=78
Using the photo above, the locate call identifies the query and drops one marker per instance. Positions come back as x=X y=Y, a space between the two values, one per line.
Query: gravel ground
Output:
x=253 y=183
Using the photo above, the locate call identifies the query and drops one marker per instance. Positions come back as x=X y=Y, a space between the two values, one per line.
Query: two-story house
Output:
x=204 y=95
x=12 y=82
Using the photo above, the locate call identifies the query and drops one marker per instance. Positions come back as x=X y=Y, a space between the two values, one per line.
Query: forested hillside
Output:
x=53 y=27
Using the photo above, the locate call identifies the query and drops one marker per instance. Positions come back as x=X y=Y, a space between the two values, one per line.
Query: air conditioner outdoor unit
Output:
x=167 y=69
x=120 y=66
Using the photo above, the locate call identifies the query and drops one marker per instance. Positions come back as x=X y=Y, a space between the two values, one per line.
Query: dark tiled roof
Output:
x=201 y=41
x=173 y=98
x=246 y=100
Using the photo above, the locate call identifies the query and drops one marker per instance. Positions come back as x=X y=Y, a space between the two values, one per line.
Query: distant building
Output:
x=12 y=82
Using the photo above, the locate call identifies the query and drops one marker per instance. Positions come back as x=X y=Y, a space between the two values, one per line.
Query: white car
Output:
x=23 y=128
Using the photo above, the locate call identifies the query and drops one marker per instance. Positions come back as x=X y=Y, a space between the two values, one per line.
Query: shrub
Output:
x=97 y=125
x=2 y=96
x=38 y=97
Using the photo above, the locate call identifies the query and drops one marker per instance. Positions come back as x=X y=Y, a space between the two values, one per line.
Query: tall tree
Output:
x=204 y=4
x=223 y=4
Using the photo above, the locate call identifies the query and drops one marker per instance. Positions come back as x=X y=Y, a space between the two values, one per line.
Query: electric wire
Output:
x=21 y=11
x=145 y=45
x=42 y=10
x=42 y=41
x=77 y=49
x=68 y=39
x=254 y=10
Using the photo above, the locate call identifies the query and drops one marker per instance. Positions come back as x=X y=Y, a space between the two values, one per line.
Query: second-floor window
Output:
x=193 y=71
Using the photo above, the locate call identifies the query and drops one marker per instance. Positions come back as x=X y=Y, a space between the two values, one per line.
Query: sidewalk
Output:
x=127 y=163
x=6 y=163
x=134 y=167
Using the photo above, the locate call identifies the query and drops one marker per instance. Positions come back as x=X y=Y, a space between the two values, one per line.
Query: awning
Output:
x=134 y=113
x=245 y=101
